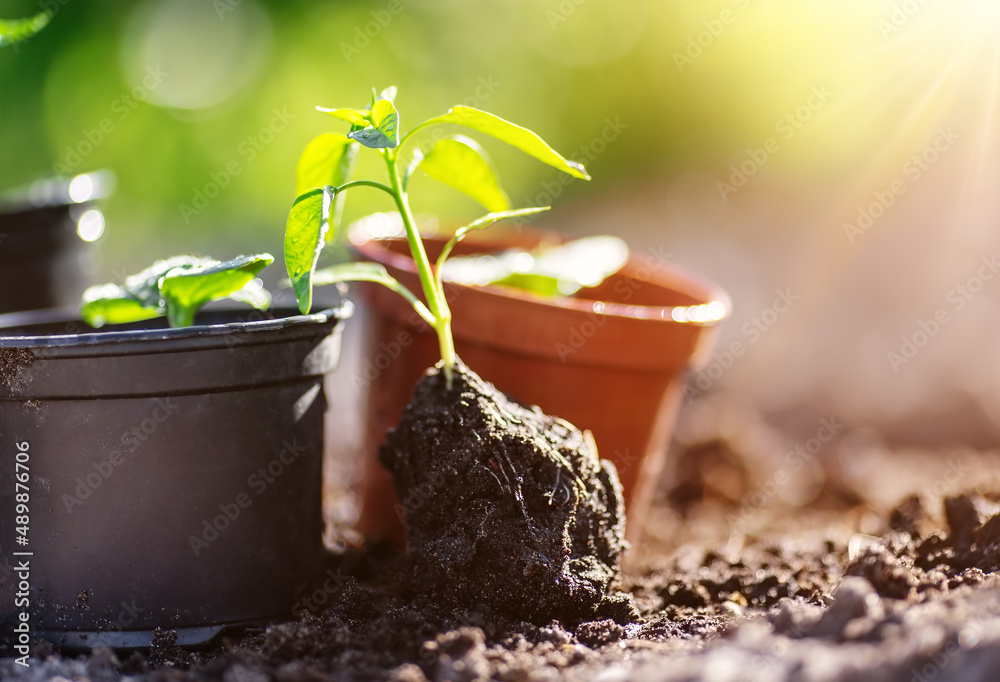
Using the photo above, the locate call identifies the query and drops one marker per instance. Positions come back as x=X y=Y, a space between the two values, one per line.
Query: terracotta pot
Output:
x=611 y=359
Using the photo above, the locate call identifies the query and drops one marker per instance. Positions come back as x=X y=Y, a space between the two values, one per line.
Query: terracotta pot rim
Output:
x=714 y=305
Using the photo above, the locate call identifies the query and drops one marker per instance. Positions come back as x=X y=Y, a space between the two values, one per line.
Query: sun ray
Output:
x=957 y=71
x=913 y=120
x=982 y=152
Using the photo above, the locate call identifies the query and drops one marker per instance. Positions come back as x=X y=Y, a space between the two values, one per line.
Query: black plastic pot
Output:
x=43 y=260
x=175 y=474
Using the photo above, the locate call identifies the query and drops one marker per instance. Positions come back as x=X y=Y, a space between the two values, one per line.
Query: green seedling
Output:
x=324 y=176
x=177 y=287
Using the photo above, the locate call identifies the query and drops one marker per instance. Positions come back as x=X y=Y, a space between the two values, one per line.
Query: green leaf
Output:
x=186 y=289
x=253 y=295
x=584 y=262
x=555 y=271
x=352 y=116
x=176 y=286
x=110 y=304
x=543 y=285
x=383 y=133
x=463 y=164
x=372 y=272
x=480 y=224
x=145 y=286
x=13 y=31
x=305 y=236
x=514 y=135
x=139 y=299
x=327 y=160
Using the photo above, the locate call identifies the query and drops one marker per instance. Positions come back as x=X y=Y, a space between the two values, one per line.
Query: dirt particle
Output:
x=989 y=532
x=13 y=363
x=461 y=656
x=597 y=633
x=408 y=672
x=884 y=571
x=909 y=516
x=963 y=519
x=163 y=650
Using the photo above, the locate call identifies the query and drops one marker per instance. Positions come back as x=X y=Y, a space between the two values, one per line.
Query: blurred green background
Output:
x=185 y=88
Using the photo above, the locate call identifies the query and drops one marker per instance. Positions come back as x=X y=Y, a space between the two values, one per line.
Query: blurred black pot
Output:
x=44 y=231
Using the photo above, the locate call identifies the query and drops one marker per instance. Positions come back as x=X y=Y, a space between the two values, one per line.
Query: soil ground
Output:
x=856 y=562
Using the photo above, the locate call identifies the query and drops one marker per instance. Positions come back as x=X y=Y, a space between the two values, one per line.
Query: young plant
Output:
x=177 y=287
x=324 y=176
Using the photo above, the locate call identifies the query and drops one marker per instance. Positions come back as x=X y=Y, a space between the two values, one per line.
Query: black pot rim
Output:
x=200 y=335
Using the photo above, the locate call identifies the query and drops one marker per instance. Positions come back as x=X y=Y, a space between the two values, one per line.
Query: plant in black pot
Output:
x=156 y=477
x=162 y=476
x=504 y=505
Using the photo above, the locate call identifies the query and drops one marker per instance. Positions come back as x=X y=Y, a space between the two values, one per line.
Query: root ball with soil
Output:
x=505 y=506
